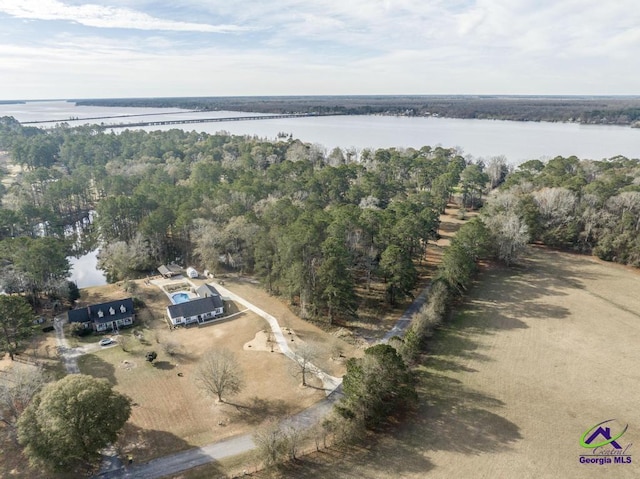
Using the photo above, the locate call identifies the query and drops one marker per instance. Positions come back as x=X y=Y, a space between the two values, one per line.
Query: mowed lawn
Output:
x=537 y=355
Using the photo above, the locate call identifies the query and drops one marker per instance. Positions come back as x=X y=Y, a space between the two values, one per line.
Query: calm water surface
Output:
x=518 y=141
x=85 y=272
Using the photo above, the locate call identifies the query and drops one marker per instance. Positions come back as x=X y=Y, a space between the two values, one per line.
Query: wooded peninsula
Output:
x=606 y=110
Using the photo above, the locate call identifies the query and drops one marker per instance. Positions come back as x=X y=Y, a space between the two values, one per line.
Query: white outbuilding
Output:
x=191 y=272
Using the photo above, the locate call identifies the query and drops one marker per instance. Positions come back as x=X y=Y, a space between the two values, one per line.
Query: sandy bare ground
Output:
x=537 y=356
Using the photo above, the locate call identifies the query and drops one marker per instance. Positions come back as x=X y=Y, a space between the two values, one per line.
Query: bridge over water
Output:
x=176 y=121
x=206 y=120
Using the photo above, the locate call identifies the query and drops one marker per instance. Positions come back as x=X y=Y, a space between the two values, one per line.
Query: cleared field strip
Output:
x=538 y=356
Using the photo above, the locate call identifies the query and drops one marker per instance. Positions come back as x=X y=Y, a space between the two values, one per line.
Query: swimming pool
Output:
x=178 y=298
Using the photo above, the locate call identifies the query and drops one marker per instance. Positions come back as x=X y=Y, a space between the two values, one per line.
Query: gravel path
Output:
x=69 y=355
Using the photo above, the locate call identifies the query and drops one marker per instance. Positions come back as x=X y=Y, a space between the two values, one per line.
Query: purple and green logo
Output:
x=604 y=441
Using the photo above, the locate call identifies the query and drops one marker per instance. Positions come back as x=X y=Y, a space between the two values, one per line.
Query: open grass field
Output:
x=536 y=356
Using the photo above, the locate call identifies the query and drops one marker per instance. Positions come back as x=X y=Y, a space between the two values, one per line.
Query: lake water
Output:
x=517 y=141
x=85 y=272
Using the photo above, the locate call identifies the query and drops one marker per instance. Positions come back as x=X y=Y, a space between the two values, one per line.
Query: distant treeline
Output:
x=579 y=109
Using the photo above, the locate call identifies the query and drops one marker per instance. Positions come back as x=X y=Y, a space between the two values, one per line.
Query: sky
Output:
x=61 y=49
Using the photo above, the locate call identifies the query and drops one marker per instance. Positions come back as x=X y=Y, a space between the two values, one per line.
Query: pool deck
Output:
x=162 y=283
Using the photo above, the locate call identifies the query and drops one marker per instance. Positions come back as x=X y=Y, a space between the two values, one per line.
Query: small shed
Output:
x=191 y=272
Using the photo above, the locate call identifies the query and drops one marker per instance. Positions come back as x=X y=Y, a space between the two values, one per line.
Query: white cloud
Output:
x=325 y=47
x=99 y=16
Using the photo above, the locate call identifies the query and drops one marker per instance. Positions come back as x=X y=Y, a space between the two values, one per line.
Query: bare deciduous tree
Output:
x=510 y=234
x=556 y=205
x=626 y=203
x=294 y=436
x=219 y=374
x=271 y=444
x=17 y=386
x=497 y=170
x=303 y=358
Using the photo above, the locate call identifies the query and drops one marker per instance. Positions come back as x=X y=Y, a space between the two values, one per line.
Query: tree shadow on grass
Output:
x=523 y=290
x=441 y=364
x=502 y=296
x=384 y=457
x=502 y=299
x=182 y=357
x=452 y=417
x=148 y=449
x=258 y=410
x=454 y=341
x=505 y=299
x=163 y=365
x=95 y=366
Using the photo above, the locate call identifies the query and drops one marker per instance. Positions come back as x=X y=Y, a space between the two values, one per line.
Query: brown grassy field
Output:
x=536 y=356
x=170 y=413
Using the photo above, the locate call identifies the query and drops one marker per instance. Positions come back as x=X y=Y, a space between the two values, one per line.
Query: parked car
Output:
x=106 y=342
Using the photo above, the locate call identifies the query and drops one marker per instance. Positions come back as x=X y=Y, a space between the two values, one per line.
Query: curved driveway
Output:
x=182 y=461
x=329 y=383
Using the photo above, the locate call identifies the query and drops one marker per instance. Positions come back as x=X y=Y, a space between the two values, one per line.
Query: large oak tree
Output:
x=70 y=420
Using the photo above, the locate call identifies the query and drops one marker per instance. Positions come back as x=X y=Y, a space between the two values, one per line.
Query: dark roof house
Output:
x=105 y=316
x=199 y=310
x=169 y=271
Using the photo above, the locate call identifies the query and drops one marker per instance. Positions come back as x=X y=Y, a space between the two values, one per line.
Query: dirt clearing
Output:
x=537 y=356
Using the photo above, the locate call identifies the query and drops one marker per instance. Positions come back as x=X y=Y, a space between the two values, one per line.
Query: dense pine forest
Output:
x=310 y=224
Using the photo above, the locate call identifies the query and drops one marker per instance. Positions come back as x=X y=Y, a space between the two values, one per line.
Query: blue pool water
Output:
x=179 y=298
